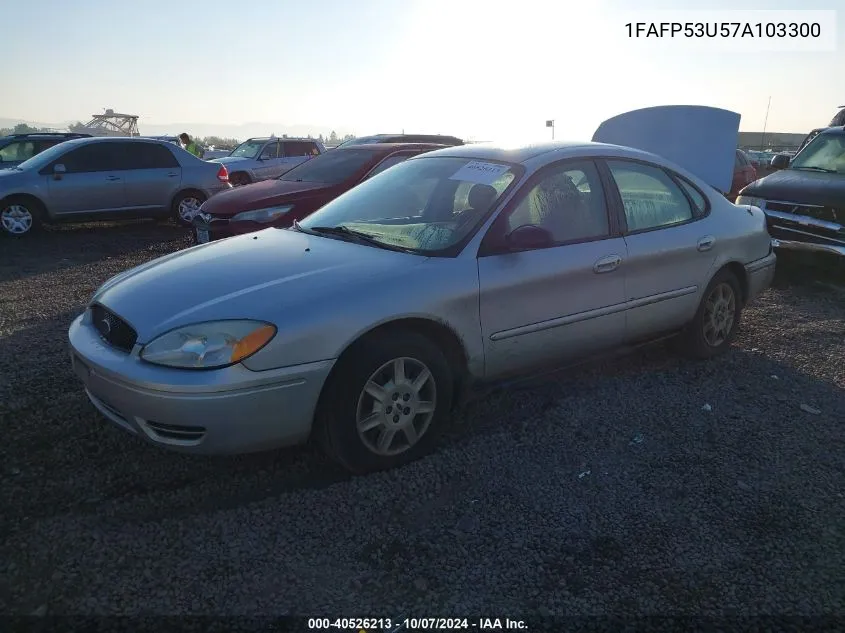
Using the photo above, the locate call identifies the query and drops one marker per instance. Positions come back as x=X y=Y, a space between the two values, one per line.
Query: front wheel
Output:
x=19 y=217
x=385 y=402
x=716 y=322
x=186 y=205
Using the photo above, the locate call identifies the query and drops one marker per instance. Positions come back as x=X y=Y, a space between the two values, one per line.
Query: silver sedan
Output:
x=364 y=324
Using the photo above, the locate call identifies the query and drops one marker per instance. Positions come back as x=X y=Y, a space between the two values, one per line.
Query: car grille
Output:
x=828 y=214
x=113 y=330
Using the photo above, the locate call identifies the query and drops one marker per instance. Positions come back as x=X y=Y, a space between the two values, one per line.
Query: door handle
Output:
x=112 y=177
x=172 y=175
x=706 y=243
x=607 y=264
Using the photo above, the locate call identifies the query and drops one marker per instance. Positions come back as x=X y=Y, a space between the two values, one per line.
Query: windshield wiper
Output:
x=345 y=232
x=821 y=169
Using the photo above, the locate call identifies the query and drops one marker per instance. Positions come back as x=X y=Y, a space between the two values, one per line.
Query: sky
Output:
x=479 y=69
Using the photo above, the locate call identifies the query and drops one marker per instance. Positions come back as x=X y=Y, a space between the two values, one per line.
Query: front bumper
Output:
x=796 y=232
x=760 y=274
x=226 y=411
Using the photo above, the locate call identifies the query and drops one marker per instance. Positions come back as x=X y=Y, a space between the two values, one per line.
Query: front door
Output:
x=92 y=183
x=566 y=299
x=671 y=246
x=269 y=163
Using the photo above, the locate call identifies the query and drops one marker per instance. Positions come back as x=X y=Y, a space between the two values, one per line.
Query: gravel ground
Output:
x=642 y=485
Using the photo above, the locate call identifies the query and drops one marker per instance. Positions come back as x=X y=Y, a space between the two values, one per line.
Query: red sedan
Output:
x=300 y=191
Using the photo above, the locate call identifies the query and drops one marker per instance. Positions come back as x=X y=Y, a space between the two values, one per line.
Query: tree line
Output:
x=208 y=141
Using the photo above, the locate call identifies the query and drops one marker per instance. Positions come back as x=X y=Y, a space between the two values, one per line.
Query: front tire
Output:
x=186 y=205
x=20 y=216
x=715 y=325
x=385 y=402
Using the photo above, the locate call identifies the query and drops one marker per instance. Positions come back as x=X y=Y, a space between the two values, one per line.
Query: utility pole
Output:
x=765 y=122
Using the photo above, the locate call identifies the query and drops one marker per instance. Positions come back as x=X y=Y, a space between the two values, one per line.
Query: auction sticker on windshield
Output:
x=480 y=172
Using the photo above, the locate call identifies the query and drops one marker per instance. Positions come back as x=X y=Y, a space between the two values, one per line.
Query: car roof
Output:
x=281 y=138
x=504 y=152
x=836 y=129
x=389 y=148
x=114 y=139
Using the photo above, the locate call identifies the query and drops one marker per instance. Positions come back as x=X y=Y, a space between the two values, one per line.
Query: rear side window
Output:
x=146 y=156
x=90 y=158
x=650 y=197
x=698 y=200
x=300 y=148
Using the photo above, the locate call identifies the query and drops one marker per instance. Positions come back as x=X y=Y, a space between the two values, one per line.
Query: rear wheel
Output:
x=239 y=179
x=385 y=402
x=715 y=324
x=19 y=216
x=186 y=205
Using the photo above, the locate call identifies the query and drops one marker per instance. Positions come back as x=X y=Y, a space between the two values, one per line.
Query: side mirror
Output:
x=528 y=237
x=59 y=170
x=780 y=161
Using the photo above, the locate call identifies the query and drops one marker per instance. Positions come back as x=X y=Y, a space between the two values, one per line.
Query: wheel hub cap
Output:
x=188 y=208
x=16 y=219
x=396 y=406
x=719 y=314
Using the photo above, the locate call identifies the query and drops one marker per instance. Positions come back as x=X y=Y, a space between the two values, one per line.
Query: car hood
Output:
x=259 y=196
x=700 y=139
x=257 y=276
x=797 y=185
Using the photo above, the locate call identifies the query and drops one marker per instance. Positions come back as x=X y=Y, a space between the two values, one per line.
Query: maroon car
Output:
x=300 y=191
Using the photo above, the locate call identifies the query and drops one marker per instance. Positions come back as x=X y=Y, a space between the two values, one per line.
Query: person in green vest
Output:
x=190 y=145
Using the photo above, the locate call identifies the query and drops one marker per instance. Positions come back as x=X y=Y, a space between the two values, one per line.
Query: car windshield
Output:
x=48 y=155
x=332 y=168
x=248 y=149
x=428 y=205
x=825 y=153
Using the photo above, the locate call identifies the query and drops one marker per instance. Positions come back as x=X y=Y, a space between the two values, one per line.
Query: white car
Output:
x=259 y=159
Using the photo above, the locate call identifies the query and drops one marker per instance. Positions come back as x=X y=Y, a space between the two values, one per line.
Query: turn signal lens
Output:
x=252 y=342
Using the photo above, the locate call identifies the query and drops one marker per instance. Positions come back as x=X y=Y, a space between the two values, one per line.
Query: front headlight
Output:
x=751 y=201
x=262 y=215
x=208 y=345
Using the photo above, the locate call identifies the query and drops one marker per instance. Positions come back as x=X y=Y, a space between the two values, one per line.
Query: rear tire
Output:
x=239 y=179
x=186 y=205
x=20 y=216
x=715 y=324
x=385 y=402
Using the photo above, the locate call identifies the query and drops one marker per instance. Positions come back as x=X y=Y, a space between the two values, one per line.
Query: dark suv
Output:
x=17 y=148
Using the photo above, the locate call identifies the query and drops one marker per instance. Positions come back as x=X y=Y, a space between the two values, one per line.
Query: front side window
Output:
x=415 y=205
x=93 y=157
x=650 y=197
x=825 y=153
x=568 y=202
x=270 y=151
x=248 y=149
x=17 y=151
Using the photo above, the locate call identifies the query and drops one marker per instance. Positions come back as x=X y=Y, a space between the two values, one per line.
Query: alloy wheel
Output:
x=719 y=314
x=396 y=406
x=188 y=208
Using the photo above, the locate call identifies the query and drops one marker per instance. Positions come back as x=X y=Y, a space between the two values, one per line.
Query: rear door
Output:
x=93 y=182
x=295 y=153
x=153 y=175
x=670 y=250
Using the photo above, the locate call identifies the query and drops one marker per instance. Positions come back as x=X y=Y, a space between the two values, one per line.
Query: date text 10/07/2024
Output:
x=750 y=30
x=389 y=625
